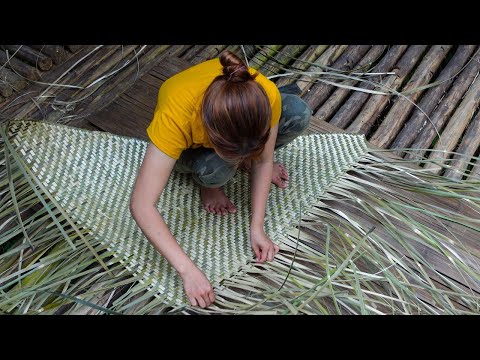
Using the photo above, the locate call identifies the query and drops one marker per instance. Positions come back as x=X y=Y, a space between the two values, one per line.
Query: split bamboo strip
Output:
x=398 y=113
x=376 y=103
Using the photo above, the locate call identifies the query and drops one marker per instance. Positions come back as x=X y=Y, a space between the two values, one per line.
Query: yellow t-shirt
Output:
x=177 y=123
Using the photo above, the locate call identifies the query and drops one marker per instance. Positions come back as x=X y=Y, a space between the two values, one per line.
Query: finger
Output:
x=224 y=211
x=201 y=301
x=206 y=299
x=277 y=248
x=211 y=296
x=209 y=209
x=256 y=250
x=192 y=301
x=270 y=254
x=263 y=256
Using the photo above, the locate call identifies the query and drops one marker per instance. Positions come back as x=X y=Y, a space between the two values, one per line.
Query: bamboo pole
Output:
x=398 y=113
x=113 y=89
x=302 y=63
x=55 y=52
x=339 y=94
x=354 y=103
x=282 y=59
x=455 y=127
x=444 y=109
x=376 y=103
x=30 y=56
x=58 y=75
x=468 y=147
x=432 y=97
x=319 y=92
x=111 y=59
x=17 y=66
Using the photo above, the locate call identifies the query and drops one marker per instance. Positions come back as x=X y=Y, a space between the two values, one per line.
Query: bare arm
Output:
x=263 y=247
x=151 y=180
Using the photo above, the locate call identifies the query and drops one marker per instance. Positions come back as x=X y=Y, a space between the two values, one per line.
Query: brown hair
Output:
x=236 y=112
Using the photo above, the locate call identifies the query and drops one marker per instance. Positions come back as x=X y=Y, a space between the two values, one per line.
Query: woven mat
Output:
x=91 y=174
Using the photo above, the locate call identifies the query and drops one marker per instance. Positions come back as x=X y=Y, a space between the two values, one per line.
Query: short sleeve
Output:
x=276 y=107
x=167 y=135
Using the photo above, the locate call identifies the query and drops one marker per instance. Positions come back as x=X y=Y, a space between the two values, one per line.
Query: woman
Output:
x=210 y=120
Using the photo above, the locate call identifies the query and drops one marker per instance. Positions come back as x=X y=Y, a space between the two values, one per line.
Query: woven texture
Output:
x=91 y=174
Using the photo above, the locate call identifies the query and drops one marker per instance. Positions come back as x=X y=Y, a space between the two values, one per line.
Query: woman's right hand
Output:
x=198 y=289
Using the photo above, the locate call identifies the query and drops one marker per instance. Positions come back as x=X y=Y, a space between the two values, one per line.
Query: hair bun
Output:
x=234 y=68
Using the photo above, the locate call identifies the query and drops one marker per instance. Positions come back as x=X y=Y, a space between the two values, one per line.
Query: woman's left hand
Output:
x=263 y=247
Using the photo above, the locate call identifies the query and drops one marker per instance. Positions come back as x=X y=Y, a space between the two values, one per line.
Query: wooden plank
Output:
x=304 y=61
x=398 y=113
x=444 y=109
x=343 y=117
x=319 y=92
x=468 y=147
x=376 y=103
x=455 y=127
x=432 y=97
x=339 y=94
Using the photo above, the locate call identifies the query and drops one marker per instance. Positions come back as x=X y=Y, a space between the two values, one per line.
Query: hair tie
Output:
x=234 y=71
